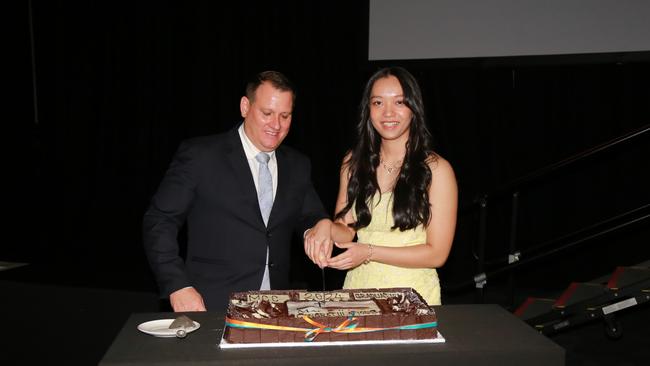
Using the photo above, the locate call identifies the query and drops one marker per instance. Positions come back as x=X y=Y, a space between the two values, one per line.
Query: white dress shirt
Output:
x=251 y=151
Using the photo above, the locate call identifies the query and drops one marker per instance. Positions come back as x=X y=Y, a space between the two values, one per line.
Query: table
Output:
x=475 y=335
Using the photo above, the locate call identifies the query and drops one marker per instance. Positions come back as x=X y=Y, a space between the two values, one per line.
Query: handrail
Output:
x=509 y=187
x=562 y=238
x=564 y=247
x=513 y=189
x=510 y=266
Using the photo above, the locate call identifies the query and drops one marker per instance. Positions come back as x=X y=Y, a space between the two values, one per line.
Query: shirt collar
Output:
x=249 y=148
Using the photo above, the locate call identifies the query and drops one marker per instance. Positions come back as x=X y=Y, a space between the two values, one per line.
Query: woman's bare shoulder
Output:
x=439 y=165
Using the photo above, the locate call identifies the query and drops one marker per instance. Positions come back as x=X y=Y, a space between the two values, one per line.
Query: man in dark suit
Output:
x=243 y=196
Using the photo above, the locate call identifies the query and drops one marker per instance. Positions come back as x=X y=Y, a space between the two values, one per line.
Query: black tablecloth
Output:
x=475 y=335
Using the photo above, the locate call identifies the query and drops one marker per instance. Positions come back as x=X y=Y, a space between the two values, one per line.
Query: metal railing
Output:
x=512 y=190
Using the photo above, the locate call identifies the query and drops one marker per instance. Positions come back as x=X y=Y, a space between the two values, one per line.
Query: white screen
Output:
x=422 y=29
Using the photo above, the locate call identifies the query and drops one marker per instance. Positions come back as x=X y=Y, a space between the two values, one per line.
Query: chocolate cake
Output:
x=329 y=316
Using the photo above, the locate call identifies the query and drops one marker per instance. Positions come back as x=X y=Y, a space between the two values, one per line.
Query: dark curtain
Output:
x=120 y=84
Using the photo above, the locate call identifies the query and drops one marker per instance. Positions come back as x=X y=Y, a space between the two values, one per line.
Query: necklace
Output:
x=390 y=167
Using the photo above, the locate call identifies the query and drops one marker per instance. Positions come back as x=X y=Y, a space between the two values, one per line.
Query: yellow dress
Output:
x=378 y=275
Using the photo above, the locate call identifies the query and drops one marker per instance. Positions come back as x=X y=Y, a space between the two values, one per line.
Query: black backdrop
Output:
x=120 y=84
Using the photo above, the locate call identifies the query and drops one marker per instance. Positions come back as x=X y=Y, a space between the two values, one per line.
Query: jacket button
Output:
x=271 y=264
x=269 y=234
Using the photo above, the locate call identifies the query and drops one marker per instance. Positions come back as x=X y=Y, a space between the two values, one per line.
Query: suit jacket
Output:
x=209 y=185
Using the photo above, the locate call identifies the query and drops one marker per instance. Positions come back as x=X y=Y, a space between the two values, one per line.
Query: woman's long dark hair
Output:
x=410 y=194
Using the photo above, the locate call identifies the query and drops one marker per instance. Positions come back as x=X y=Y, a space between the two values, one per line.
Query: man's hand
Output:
x=318 y=242
x=186 y=299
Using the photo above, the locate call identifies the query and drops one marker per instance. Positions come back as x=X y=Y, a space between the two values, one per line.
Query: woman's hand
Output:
x=318 y=242
x=354 y=255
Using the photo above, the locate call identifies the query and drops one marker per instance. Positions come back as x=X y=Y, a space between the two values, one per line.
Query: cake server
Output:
x=182 y=323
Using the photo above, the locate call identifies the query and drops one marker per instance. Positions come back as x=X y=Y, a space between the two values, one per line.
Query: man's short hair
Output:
x=276 y=78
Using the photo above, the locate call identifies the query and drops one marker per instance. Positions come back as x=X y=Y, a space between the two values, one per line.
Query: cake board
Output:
x=223 y=344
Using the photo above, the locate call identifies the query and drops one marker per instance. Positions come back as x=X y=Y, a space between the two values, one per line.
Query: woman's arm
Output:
x=341 y=232
x=443 y=198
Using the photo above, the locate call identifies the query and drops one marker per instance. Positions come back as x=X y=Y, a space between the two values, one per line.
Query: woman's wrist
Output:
x=369 y=257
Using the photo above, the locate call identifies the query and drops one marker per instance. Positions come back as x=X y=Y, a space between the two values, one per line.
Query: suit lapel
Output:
x=281 y=195
x=242 y=172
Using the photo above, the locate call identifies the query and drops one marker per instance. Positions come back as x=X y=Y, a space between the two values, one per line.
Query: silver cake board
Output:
x=226 y=345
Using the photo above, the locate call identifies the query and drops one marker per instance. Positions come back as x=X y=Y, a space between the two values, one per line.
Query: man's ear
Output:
x=244 y=106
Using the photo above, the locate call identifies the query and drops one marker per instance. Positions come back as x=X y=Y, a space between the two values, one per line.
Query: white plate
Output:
x=160 y=328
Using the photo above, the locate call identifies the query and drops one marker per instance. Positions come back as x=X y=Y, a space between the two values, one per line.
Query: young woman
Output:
x=397 y=196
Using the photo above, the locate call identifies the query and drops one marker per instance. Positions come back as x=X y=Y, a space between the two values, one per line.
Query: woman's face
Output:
x=389 y=114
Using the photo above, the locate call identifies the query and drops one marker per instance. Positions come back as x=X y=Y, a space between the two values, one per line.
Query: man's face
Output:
x=267 y=118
